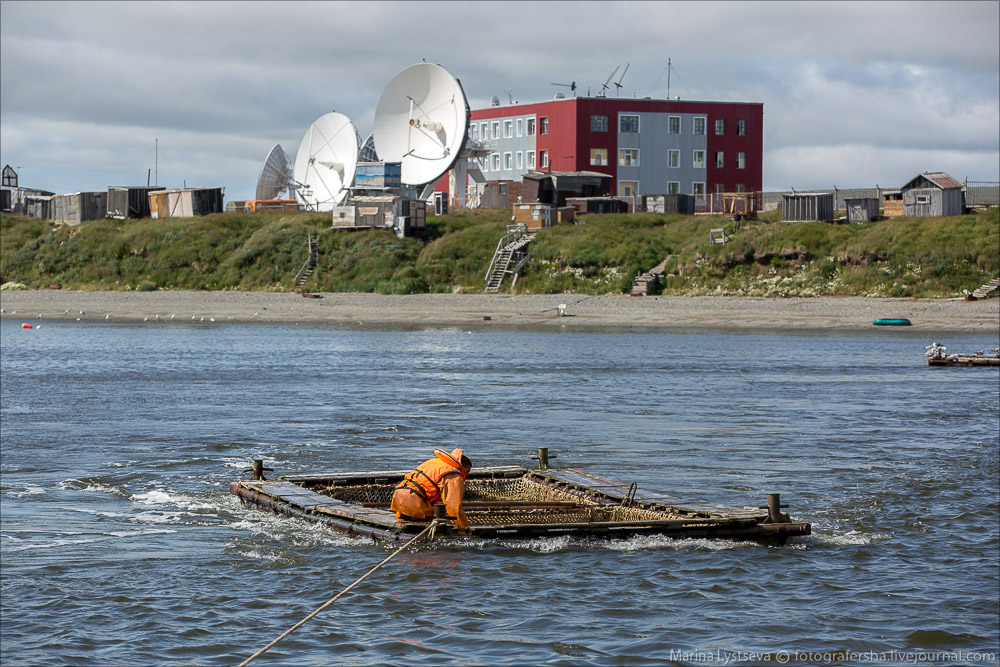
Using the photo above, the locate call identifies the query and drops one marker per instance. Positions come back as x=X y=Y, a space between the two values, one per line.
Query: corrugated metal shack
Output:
x=807 y=207
x=863 y=209
x=676 y=203
x=555 y=187
x=185 y=202
x=533 y=215
x=933 y=193
x=598 y=204
x=72 y=209
x=403 y=215
x=496 y=194
x=130 y=201
x=30 y=202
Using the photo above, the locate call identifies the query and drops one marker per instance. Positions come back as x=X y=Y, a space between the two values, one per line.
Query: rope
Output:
x=326 y=604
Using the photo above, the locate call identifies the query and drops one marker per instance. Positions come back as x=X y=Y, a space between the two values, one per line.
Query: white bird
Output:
x=145 y=319
x=157 y=316
x=211 y=319
x=194 y=317
x=107 y=317
x=255 y=314
x=202 y=319
x=172 y=315
x=81 y=312
x=66 y=312
x=39 y=316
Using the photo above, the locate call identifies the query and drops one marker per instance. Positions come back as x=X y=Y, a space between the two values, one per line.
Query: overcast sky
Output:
x=854 y=94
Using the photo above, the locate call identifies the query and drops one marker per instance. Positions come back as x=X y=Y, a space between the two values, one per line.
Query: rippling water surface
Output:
x=121 y=544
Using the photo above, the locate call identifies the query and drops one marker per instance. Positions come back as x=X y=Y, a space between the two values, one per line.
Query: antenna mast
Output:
x=668 y=78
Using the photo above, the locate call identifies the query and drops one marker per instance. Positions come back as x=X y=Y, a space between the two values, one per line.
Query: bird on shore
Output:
x=107 y=317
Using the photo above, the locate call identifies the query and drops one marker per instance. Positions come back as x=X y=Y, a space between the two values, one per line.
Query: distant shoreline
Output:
x=502 y=312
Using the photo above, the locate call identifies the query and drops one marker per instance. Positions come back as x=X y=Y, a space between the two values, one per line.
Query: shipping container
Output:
x=72 y=209
x=807 y=207
x=130 y=201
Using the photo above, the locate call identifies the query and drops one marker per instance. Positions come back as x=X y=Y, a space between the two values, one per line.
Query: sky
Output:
x=860 y=94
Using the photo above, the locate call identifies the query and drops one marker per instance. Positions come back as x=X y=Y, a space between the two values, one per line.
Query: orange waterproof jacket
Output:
x=441 y=479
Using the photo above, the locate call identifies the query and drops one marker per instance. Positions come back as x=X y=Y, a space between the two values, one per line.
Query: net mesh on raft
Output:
x=517 y=489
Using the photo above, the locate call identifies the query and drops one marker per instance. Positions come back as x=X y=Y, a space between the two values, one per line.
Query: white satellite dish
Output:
x=421 y=121
x=326 y=161
x=368 y=152
x=275 y=176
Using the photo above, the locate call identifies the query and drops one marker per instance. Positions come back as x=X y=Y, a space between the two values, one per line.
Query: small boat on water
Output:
x=937 y=355
x=892 y=322
x=512 y=502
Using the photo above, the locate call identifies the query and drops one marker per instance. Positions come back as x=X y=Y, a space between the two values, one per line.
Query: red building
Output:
x=647 y=146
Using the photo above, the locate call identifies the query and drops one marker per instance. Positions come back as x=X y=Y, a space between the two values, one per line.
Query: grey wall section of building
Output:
x=503 y=144
x=654 y=140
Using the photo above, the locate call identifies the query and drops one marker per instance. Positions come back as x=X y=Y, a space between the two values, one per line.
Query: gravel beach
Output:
x=501 y=311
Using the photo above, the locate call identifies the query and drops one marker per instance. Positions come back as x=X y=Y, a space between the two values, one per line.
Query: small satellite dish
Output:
x=495 y=101
x=326 y=161
x=275 y=176
x=422 y=121
x=559 y=96
x=368 y=153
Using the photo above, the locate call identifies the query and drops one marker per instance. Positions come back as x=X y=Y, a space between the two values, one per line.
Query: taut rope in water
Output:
x=326 y=604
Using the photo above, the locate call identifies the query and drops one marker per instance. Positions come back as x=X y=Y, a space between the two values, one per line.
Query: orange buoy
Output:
x=25 y=326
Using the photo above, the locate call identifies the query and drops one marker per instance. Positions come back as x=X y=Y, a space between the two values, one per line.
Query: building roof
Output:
x=938 y=178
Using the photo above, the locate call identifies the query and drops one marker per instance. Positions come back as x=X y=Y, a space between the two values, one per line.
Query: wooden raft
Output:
x=510 y=502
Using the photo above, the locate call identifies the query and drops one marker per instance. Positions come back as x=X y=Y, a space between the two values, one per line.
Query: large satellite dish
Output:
x=421 y=122
x=368 y=152
x=326 y=162
x=275 y=176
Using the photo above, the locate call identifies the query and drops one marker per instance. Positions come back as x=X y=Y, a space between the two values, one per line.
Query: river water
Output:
x=121 y=544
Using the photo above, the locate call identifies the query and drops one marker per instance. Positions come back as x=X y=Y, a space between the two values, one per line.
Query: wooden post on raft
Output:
x=258 y=470
x=543 y=457
x=774 y=508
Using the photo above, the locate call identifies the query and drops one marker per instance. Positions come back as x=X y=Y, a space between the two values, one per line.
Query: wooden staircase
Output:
x=987 y=289
x=646 y=283
x=307 y=269
x=510 y=248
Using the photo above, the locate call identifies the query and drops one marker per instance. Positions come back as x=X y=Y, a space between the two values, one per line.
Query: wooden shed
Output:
x=807 y=207
x=555 y=187
x=130 y=201
x=676 y=203
x=933 y=193
x=533 y=215
x=72 y=209
x=862 y=209
x=185 y=202
x=892 y=203
x=403 y=215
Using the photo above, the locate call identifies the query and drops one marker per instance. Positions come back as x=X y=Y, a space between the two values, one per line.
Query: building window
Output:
x=628 y=124
x=531 y=127
x=698 y=189
x=520 y=126
x=673 y=158
x=484 y=132
x=520 y=160
x=628 y=189
x=741 y=160
x=531 y=159
x=673 y=187
x=495 y=161
x=720 y=127
x=508 y=161
x=496 y=129
x=741 y=128
x=598 y=123
x=508 y=129
x=472 y=131
x=484 y=163
x=699 y=125
x=674 y=125
x=720 y=159
x=628 y=157
x=599 y=157
x=543 y=125
x=719 y=188
x=740 y=187
x=545 y=159
x=699 y=160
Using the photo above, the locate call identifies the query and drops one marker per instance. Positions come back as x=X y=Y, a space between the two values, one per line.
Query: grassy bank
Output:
x=920 y=257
